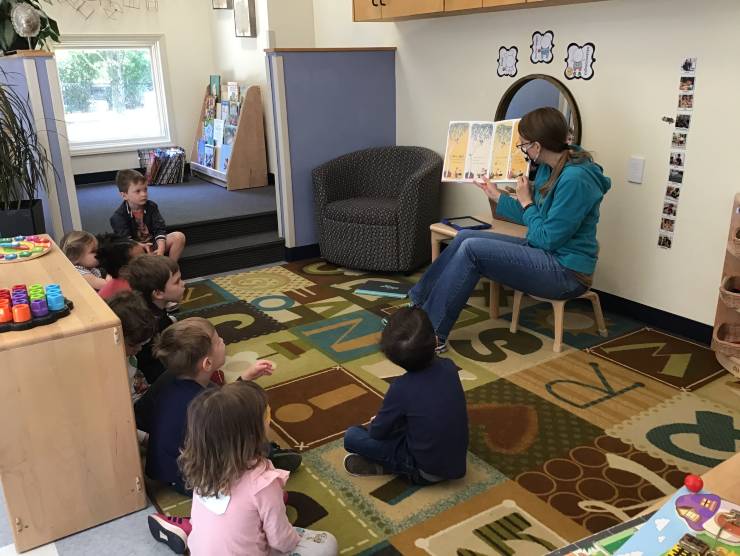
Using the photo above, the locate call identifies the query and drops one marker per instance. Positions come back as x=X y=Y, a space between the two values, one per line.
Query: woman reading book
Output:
x=560 y=209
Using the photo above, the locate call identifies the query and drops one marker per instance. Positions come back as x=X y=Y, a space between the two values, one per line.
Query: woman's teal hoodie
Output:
x=564 y=221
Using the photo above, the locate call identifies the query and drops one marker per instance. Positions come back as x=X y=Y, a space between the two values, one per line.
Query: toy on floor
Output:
x=23 y=248
x=22 y=308
x=691 y=523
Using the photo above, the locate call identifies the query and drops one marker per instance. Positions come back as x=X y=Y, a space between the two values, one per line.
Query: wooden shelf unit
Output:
x=69 y=457
x=248 y=163
x=726 y=335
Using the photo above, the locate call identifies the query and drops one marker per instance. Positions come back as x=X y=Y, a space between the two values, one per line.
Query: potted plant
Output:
x=11 y=41
x=24 y=163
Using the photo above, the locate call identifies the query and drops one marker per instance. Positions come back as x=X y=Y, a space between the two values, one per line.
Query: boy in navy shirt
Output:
x=421 y=431
x=139 y=219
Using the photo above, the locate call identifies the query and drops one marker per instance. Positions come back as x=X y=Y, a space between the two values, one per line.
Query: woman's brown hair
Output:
x=549 y=128
x=225 y=437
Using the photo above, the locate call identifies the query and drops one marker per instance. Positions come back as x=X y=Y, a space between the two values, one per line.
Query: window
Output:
x=113 y=92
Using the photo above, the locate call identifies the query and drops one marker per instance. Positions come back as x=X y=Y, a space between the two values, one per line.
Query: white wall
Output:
x=446 y=70
x=280 y=23
x=188 y=49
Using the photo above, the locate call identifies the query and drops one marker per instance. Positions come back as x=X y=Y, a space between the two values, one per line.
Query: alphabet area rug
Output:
x=561 y=445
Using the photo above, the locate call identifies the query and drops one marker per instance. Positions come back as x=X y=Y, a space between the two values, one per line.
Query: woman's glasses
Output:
x=524 y=146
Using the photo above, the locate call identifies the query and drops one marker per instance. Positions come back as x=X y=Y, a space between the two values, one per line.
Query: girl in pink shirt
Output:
x=238 y=507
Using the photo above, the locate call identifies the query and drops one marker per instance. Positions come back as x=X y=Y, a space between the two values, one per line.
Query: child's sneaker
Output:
x=173 y=531
x=358 y=466
x=287 y=460
x=441 y=345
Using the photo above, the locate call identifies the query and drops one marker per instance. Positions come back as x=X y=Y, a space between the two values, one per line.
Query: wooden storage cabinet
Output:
x=390 y=10
x=69 y=458
x=381 y=10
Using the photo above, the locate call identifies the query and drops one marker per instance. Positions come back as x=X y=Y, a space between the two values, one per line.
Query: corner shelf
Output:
x=248 y=163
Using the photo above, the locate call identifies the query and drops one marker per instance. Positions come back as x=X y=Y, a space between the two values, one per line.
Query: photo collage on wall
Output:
x=677 y=157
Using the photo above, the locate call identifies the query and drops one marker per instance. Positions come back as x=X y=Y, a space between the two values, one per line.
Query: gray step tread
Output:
x=236 y=243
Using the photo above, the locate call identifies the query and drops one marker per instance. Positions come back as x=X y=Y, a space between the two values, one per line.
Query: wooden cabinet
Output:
x=382 y=10
x=405 y=8
x=69 y=458
x=390 y=10
x=366 y=10
x=455 y=5
x=497 y=3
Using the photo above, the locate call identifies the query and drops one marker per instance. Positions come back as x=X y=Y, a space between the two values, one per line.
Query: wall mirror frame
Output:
x=566 y=95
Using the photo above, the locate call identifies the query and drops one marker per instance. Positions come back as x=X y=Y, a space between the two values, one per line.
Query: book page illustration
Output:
x=519 y=165
x=479 y=150
x=457 y=146
x=501 y=150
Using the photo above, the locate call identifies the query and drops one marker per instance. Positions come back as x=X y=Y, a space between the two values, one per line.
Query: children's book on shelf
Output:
x=209 y=156
x=208 y=132
x=233 y=91
x=225 y=109
x=233 y=113
x=210 y=107
x=201 y=152
x=477 y=149
x=224 y=154
x=218 y=132
x=215 y=86
x=229 y=134
x=689 y=523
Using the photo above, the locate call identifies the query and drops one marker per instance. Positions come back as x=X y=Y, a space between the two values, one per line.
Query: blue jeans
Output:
x=445 y=287
x=392 y=453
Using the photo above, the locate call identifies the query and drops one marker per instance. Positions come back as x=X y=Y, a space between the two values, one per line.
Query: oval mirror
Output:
x=535 y=91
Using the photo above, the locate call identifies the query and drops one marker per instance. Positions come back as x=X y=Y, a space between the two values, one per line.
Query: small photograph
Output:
x=666 y=224
x=675 y=176
x=670 y=208
x=678 y=159
x=689 y=65
x=683 y=121
x=665 y=241
x=673 y=192
x=685 y=102
x=687 y=83
x=679 y=140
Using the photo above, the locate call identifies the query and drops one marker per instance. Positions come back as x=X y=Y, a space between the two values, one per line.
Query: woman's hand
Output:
x=523 y=191
x=489 y=188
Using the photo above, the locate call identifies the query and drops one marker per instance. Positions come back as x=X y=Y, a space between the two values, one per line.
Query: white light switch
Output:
x=636 y=169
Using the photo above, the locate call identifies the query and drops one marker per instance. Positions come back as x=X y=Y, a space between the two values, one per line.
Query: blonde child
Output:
x=80 y=248
x=238 y=505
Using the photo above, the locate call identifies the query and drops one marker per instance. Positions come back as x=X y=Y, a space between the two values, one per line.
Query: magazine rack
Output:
x=248 y=163
x=726 y=336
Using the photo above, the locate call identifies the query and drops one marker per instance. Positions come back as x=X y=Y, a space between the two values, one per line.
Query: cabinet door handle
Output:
x=382 y=3
x=374 y=4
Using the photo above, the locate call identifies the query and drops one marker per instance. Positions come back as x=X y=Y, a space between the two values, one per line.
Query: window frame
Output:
x=155 y=45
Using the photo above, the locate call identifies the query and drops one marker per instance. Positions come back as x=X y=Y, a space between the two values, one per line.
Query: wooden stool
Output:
x=558 y=307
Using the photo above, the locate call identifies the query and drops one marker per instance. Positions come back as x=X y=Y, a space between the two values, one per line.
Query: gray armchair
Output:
x=374 y=207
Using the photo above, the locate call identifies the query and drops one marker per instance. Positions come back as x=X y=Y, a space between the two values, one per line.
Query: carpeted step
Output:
x=223 y=255
x=226 y=228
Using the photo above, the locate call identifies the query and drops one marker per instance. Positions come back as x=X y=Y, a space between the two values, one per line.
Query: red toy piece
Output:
x=693 y=482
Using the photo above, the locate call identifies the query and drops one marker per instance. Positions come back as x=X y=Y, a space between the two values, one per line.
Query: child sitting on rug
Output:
x=80 y=248
x=138 y=327
x=421 y=430
x=159 y=281
x=191 y=351
x=113 y=254
x=138 y=218
x=238 y=505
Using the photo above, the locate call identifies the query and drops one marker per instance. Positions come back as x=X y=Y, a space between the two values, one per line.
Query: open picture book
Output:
x=484 y=149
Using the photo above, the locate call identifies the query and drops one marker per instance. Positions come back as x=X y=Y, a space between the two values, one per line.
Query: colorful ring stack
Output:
x=24 y=307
